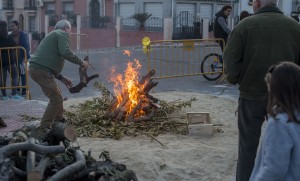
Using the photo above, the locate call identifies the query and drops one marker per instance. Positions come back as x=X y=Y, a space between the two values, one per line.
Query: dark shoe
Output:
x=2 y=123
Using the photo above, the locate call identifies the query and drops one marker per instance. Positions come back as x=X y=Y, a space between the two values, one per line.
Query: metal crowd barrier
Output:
x=14 y=55
x=177 y=58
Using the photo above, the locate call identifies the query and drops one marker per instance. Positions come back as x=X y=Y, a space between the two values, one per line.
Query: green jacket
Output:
x=52 y=52
x=259 y=41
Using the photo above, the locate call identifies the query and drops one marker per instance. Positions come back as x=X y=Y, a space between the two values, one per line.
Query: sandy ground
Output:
x=181 y=157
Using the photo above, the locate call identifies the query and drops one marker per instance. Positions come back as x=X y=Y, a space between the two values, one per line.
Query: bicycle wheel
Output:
x=212 y=67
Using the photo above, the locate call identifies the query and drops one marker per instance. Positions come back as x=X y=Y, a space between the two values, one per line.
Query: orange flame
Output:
x=127 y=52
x=128 y=84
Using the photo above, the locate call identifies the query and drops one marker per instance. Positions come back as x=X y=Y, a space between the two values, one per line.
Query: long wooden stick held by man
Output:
x=84 y=78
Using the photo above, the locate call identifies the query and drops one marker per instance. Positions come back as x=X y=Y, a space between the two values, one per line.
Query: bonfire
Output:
x=133 y=101
x=130 y=110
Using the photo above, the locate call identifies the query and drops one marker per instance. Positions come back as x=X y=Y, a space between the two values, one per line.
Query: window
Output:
x=8 y=5
x=30 y=4
x=50 y=8
x=68 y=8
x=94 y=13
x=9 y=19
x=31 y=24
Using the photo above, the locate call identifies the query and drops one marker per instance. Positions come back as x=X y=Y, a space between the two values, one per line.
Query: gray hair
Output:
x=62 y=24
x=269 y=2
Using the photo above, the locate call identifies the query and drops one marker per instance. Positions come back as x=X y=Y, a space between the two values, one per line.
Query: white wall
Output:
x=1 y=9
x=244 y=6
x=284 y=5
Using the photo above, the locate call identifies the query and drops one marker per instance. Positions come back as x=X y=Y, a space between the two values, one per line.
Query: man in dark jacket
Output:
x=221 y=29
x=259 y=41
x=21 y=39
x=7 y=63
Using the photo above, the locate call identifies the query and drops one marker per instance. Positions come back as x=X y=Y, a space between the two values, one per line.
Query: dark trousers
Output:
x=54 y=110
x=12 y=69
x=222 y=43
x=251 y=115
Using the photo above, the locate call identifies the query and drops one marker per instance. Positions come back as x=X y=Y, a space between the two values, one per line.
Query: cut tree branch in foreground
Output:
x=8 y=150
x=37 y=173
x=71 y=169
x=30 y=159
x=61 y=131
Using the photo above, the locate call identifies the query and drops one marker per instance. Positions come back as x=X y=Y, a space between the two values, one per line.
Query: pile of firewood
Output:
x=23 y=157
x=101 y=117
x=146 y=103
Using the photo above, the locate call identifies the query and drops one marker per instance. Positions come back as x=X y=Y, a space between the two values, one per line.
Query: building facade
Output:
x=105 y=20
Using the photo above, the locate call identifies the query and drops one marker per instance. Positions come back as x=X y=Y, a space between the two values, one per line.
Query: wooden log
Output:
x=147 y=117
x=152 y=98
x=100 y=168
x=84 y=78
x=119 y=113
x=92 y=176
x=149 y=86
x=30 y=159
x=18 y=136
x=147 y=77
x=8 y=150
x=37 y=173
x=115 y=101
x=123 y=110
x=18 y=172
x=71 y=169
x=61 y=131
x=81 y=85
x=5 y=168
x=133 y=111
x=113 y=110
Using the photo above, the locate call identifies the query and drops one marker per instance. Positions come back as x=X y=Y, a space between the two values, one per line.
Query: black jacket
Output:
x=6 y=60
x=218 y=30
x=259 y=41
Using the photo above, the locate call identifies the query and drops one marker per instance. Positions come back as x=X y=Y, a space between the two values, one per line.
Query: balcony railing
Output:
x=30 y=8
x=8 y=8
x=8 y=5
x=53 y=19
x=154 y=24
x=50 y=12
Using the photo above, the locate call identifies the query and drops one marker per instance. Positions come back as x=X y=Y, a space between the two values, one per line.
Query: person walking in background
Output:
x=46 y=65
x=244 y=14
x=278 y=156
x=265 y=38
x=21 y=39
x=7 y=63
x=221 y=29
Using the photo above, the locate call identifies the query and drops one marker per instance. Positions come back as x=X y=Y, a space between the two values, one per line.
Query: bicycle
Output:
x=212 y=66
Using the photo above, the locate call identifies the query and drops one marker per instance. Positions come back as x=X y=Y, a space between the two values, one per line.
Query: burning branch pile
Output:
x=135 y=103
x=130 y=111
